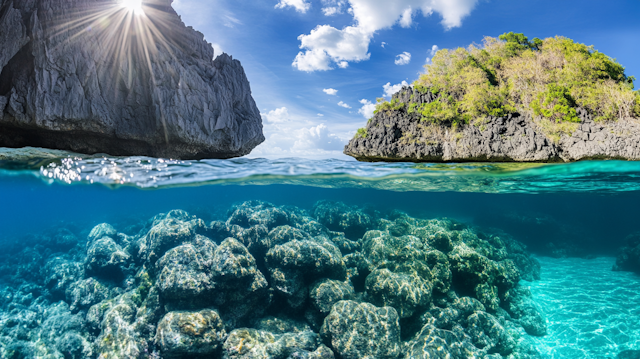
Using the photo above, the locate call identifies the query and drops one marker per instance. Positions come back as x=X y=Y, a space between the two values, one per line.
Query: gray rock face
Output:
x=397 y=135
x=69 y=82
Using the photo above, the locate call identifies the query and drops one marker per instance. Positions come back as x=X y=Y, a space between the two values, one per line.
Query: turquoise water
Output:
x=364 y=233
x=591 y=310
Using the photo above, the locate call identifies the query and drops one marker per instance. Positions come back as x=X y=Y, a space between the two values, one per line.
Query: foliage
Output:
x=361 y=133
x=549 y=78
x=555 y=103
x=394 y=105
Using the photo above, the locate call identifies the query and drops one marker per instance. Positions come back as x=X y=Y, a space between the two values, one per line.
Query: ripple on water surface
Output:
x=592 y=312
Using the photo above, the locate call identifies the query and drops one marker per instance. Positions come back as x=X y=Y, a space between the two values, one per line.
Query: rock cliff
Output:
x=397 y=135
x=96 y=76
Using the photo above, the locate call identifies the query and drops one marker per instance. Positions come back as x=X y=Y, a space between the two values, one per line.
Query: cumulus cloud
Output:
x=317 y=137
x=403 y=59
x=278 y=115
x=291 y=139
x=383 y=43
x=326 y=45
x=300 y=5
x=342 y=104
x=367 y=108
x=330 y=91
x=390 y=89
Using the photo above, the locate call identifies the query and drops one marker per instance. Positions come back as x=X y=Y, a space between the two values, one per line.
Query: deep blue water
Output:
x=573 y=212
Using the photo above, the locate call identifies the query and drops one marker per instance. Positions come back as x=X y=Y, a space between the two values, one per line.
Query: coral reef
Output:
x=271 y=282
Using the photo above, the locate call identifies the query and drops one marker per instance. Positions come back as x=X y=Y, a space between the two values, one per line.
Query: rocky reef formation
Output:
x=76 y=76
x=334 y=281
x=629 y=257
x=398 y=134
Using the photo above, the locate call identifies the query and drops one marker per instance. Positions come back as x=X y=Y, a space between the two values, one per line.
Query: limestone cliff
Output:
x=397 y=135
x=94 y=76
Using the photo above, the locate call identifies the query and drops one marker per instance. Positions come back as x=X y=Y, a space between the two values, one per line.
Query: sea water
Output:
x=572 y=218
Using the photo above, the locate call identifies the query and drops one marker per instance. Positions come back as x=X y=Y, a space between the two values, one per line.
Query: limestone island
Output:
x=509 y=100
x=119 y=77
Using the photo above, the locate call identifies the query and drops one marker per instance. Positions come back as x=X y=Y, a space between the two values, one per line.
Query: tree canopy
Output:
x=548 y=78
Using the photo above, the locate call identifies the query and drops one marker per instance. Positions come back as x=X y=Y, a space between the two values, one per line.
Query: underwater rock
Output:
x=182 y=334
x=296 y=264
x=403 y=276
x=119 y=336
x=106 y=259
x=251 y=213
x=432 y=342
x=629 y=257
x=184 y=272
x=362 y=330
x=520 y=305
x=167 y=96
x=341 y=218
x=59 y=274
x=488 y=334
x=168 y=232
x=203 y=274
x=246 y=343
x=185 y=285
x=327 y=292
x=87 y=292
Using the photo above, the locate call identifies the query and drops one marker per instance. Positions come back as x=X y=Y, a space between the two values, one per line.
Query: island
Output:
x=508 y=100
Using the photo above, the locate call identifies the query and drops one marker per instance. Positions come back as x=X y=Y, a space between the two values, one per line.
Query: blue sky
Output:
x=358 y=46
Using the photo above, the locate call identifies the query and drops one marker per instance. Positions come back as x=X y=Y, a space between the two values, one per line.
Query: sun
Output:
x=134 y=6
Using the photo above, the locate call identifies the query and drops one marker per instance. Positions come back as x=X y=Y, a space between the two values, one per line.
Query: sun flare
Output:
x=134 y=6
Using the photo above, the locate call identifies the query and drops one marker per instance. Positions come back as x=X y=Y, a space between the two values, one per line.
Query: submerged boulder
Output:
x=182 y=334
x=69 y=82
x=362 y=330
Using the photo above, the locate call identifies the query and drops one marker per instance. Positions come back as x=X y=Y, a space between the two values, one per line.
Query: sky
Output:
x=316 y=67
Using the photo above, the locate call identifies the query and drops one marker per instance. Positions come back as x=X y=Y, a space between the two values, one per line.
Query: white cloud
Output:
x=367 y=108
x=300 y=5
x=292 y=140
x=343 y=64
x=326 y=45
x=318 y=137
x=403 y=59
x=432 y=52
x=342 y=104
x=406 y=18
x=389 y=89
x=383 y=43
x=278 y=115
x=320 y=115
x=330 y=91
x=230 y=21
x=315 y=60
x=329 y=11
x=333 y=7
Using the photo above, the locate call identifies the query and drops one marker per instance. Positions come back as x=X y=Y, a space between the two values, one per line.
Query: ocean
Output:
x=139 y=257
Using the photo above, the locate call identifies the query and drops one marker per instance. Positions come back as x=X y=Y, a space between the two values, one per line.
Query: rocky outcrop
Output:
x=408 y=288
x=398 y=135
x=93 y=76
